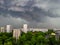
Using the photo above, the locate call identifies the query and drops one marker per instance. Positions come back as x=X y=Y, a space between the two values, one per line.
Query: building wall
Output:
x=2 y=29
x=16 y=33
x=8 y=28
x=25 y=28
x=57 y=34
x=37 y=29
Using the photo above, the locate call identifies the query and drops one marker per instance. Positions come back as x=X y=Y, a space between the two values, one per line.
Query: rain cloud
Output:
x=36 y=13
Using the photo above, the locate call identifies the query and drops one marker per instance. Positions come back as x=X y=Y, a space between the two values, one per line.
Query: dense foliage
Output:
x=6 y=38
x=30 y=38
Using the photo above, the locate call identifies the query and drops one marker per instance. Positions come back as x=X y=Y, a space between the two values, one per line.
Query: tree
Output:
x=52 y=40
x=5 y=37
x=33 y=40
x=8 y=43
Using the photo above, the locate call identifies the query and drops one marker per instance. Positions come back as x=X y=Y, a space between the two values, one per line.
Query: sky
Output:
x=35 y=13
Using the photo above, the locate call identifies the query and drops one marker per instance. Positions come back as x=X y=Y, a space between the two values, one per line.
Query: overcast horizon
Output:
x=35 y=13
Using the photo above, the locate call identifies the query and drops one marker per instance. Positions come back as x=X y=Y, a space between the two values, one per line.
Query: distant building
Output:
x=44 y=30
x=25 y=28
x=37 y=29
x=2 y=29
x=8 y=28
x=57 y=34
x=16 y=33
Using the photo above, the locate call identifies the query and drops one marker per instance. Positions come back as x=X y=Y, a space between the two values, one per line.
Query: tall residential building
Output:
x=16 y=33
x=2 y=29
x=25 y=28
x=8 y=28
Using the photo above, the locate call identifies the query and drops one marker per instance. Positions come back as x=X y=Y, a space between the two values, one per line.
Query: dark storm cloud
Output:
x=56 y=1
x=33 y=11
x=35 y=15
x=15 y=22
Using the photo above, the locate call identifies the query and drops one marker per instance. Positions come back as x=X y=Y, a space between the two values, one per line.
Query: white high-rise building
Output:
x=25 y=28
x=16 y=33
x=8 y=28
x=2 y=29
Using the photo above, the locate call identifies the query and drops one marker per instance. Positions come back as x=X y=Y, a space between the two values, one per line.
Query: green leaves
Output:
x=33 y=38
x=8 y=43
x=30 y=38
x=5 y=38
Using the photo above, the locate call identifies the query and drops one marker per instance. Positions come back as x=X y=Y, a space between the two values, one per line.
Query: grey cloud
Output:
x=28 y=7
x=35 y=15
x=15 y=22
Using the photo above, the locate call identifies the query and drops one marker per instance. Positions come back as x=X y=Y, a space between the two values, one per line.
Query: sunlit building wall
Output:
x=8 y=28
x=37 y=29
x=25 y=28
x=2 y=29
x=16 y=33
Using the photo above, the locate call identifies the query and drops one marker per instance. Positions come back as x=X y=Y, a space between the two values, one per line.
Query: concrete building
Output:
x=37 y=29
x=57 y=34
x=16 y=33
x=44 y=30
x=2 y=29
x=8 y=28
x=25 y=28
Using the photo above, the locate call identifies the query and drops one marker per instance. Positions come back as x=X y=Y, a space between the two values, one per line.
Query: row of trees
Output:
x=38 y=38
x=6 y=38
x=30 y=38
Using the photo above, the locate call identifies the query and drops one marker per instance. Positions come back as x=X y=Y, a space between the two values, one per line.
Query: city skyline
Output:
x=23 y=26
x=29 y=22
x=17 y=32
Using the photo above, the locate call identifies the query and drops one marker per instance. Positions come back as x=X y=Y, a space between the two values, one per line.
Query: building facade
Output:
x=37 y=29
x=25 y=28
x=8 y=28
x=16 y=33
x=57 y=34
x=2 y=29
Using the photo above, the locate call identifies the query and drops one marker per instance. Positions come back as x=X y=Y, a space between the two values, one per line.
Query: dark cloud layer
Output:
x=34 y=15
x=33 y=12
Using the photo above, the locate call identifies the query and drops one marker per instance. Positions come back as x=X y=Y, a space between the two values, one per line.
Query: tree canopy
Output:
x=30 y=38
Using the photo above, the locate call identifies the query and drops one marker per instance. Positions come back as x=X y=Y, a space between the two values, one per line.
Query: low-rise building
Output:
x=37 y=29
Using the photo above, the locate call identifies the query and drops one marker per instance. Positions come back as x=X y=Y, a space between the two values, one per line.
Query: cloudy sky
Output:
x=36 y=13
